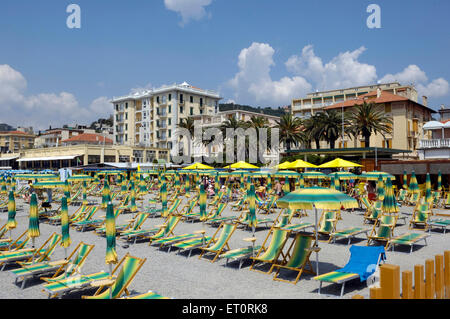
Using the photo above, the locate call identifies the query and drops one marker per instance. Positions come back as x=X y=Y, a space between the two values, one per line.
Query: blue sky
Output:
x=257 y=52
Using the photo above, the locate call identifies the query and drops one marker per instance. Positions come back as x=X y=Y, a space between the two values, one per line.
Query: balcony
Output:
x=434 y=143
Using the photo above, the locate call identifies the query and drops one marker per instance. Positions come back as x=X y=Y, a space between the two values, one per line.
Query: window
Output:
x=201 y=101
x=157 y=99
x=191 y=111
x=126 y=127
x=170 y=108
x=170 y=133
x=126 y=137
x=181 y=109
x=181 y=98
x=191 y=99
x=387 y=108
x=157 y=123
x=170 y=97
x=157 y=111
x=170 y=121
x=117 y=107
x=126 y=105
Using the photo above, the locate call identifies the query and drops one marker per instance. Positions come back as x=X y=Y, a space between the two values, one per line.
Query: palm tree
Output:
x=188 y=124
x=330 y=126
x=312 y=130
x=291 y=129
x=367 y=120
x=258 y=122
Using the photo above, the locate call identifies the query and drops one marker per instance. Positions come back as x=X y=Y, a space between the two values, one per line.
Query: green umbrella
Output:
x=13 y=184
x=79 y=178
x=85 y=202
x=314 y=175
x=217 y=185
x=342 y=175
x=317 y=198
x=65 y=241
x=3 y=188
x=242 y=182
x=142 y=185
x=286 y=187
x=133 y=207
x=187 y=184
x=373 y=176
x=389 y=205
x=67 y=189
x=413 y=185
x=252 y=208
x=428 y=196
x=301 y=181
x=380 y=188
x=177 y=181
x=111 y=255
x=105 y=194
x=249 y=182
x=202 y=203
x=337 y=184
x=269 y=183
x=33 y=226
x=163 y=194
x=12 y=223
x=439 y=182
x=405 y=180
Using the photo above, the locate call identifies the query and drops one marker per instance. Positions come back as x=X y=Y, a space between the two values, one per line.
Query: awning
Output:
x=53 y=158
x=8 y=158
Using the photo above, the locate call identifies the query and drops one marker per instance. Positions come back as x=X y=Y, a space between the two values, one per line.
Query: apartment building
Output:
x=14 y=141
x=408 y=117
x=54 y=136
x=150 y=118
x=318 y=101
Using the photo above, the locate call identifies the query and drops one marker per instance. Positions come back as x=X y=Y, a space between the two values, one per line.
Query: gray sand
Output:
x=176 y=276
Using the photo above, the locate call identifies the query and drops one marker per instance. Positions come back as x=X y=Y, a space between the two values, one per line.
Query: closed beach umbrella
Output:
x=242 y=182
x=337 y=185
x=111 y=255
x=380 y=188
x=269 y=183
x=439 y=182
x=187 y=184
x=286 y=188
x=413 y=185
x=12 y=223
x=317 y=198
x=65 y=241
x=252 y=208
x=66 y=189
x=249 y=182
x=405 y=180
x=389 y=205
x=85 y=201
x=216 y=185
x=202 y=203
x=177 y=181
x=13 y=184
x=33 y=226
x=428 y=196
x=301 y=181
x=3 y=189
x=105 y=194
x=123 y=187
x=133 y=207
x=163 y=193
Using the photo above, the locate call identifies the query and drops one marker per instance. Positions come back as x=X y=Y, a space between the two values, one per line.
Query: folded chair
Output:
x=363 y=263
x=217 y=245
x=31 y=255
x=297 y=257
x=115 y=288
x=64 y=267
x=270 y=254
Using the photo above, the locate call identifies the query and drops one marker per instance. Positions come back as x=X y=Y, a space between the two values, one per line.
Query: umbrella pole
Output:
x=110 y=287
x=317 y=238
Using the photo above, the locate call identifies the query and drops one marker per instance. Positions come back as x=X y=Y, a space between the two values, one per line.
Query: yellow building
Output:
x=150 y=118
x=14 y=141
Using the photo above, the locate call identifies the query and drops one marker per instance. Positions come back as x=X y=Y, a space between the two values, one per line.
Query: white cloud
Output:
x=253 y=81
x=344 y=70
x=437 y=88
x=188 y=9
x=43 y=109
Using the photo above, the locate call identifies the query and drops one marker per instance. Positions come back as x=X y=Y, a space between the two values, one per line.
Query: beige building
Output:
x=150 y=118
x=76 y=155
x=408 y=119
x=318 y=101
x=54 y=137
x=15 y=141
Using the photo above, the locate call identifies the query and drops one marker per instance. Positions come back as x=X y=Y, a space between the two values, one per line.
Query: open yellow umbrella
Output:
x=198 y=166
x=284 y=165
x=339 y=162
x=241 y=165
x=299 y=164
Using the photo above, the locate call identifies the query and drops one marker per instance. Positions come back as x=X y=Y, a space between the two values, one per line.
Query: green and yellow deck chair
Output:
x=413 y=199
x=408 y=239
x=244 y=219
x=19 y=243
x=191 y=244
x=188 y=208
x=131 y=266
x=217 y=245
x=384 y=230
x=56 y=220
x=327 y=222
x=86 y=217
x=170 y=240
x=374 y=212
x=297 y=257
x=64 y=267
x=420 y=216
x=217 y=199
x=437 y=196
x=166 y=229
x=446 y=202
x=271 y=253
x=268 y=207
x=148 y=295
x=41 y=254
x=402 y=195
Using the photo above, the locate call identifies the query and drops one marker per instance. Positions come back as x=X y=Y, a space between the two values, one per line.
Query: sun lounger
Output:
x=363 y=263
x=240 y=254
x=191 y=244
x=348 y=233
x=217 y=245
x=168 y=241
x=73 y=283
x=439 y=223
x=408 y=239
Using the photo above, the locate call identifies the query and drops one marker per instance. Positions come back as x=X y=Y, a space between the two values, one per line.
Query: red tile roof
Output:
x=16 y=133
x=89 y=138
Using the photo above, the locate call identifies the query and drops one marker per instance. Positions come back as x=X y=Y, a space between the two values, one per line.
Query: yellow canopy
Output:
x=282 y=166
x=199 y=166
x=240 y=165
x=300 y=164
x=339 y=162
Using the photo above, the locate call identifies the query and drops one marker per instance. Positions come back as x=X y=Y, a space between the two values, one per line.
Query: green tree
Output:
x=330 y=126
x=291 y=130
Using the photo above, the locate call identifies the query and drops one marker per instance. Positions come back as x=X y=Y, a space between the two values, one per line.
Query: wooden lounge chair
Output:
x=268 y=207
x=240 y=254
x=170 y=240
x=271 y=253
x=132 y=225
x=441 y=223
x=297 y=257
x=84 y=221
x=413 y=199
x=409 y=239
x=420 y=216
x=383 y=231
x=19 y=243
x=363 y=263
x=112 y=289
x=36 y=255
x=191 y=244
x=66 y=267
x=374 y=212
x=327 y=223
x=217 y=245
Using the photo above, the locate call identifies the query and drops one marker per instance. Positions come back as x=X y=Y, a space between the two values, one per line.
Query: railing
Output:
x=430 y=282
x=434 y=143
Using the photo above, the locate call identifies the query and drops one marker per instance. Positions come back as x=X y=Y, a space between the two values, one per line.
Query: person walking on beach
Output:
x=278 y=188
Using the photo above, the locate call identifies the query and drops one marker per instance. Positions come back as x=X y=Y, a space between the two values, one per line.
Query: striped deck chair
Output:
x=43 y=253
x=327 y=222
x=64 y=267
x=441 y=223
x=240 y=254
x=166 y=229
x=420 y=216
x=271 y=253
x=374 y=212
x=18 y=244
x=297 y=258
x=217 y=245
x=131 y=225
x=131 y=266
x=437 y=196
x=188 y=208
x=241 y=204
x=285 y=222
x=56 y=220
x=244 y=220
x=360 y=266
x=402 y=195
x=216 y=200
x=413 y=199
x=193 y=216
x=409 y=239
x=216 y=217
x=170 y=240
x=348 y=233
x=173 y=209
x=384 y=230
x=191 y=244
x=87 y=220
x=446 y=202
x=268 y=207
